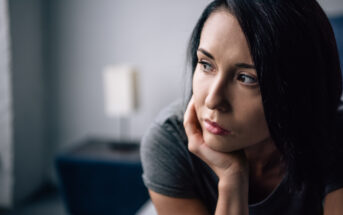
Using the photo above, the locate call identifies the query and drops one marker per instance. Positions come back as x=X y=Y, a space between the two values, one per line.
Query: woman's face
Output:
x=226 y=93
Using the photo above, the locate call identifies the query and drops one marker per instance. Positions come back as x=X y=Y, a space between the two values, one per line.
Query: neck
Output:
x=264 y=157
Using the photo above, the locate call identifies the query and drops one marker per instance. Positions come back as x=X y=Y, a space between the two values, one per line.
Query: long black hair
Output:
x=294 y=51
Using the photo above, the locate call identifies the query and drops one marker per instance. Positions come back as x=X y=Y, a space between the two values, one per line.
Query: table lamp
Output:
x=121 y=95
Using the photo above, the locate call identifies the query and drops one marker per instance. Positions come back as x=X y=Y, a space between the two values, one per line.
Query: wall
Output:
x=28 y=98
x=332 y=7
x=6 y=158
x=87 y=35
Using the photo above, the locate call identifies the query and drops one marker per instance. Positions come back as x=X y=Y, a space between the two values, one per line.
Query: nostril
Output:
x=223 y=108
x=217 y=103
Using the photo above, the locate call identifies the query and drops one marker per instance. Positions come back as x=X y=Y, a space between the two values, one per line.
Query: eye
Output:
x=205 y=66
x=247 y=79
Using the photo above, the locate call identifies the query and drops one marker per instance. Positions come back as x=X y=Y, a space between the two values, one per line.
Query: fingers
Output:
x=190 y=121
x=192 y=128
x=196 y=143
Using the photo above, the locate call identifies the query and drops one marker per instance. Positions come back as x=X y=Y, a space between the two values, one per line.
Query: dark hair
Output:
x=295 y=54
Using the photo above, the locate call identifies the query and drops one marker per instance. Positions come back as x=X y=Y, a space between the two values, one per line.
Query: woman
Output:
x=259 y=134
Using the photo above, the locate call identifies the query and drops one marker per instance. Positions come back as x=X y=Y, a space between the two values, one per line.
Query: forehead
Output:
x=223 y=37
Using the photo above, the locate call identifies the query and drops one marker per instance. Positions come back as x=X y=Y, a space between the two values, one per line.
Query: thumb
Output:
x=192 y=127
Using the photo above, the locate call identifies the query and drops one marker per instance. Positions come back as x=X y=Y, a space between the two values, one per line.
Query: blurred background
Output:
x=53 y=54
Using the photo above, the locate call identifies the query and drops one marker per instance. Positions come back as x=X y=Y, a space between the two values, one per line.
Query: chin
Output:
x=219 y=143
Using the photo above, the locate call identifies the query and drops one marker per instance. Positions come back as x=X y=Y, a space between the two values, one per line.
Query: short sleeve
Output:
x=166 y=162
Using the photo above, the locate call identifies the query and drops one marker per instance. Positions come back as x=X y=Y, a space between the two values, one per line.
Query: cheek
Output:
x=195 y=83
x=197 y=104
x=198 y=92
x=257 y=126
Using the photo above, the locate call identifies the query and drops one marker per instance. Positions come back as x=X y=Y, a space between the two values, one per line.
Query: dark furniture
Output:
x=337 y=25
x=99 y=177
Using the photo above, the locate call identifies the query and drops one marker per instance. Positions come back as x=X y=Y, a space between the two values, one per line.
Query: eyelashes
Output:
x=206 y=66
x=247 y=79
x=242 y=77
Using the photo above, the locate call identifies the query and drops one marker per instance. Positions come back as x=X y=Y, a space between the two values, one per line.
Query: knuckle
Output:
x=192 y=147
x=185 y=123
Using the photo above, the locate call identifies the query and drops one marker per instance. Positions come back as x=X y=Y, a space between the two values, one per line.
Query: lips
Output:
x=214 y=128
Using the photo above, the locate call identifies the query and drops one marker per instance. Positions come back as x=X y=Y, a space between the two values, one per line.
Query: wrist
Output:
x=237 y=183
x=232 y=197
x=241 y=187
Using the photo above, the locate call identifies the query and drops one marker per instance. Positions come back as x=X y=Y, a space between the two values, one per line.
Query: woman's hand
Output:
x=231 y=168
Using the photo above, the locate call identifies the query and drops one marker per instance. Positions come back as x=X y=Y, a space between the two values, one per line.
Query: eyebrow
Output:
x=206 y=53
x=238 y=65
x=245 y=66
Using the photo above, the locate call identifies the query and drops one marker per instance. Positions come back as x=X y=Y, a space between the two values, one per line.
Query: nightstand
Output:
x=100 y=177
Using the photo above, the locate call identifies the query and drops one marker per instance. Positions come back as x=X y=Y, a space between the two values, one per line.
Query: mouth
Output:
x=214 y=128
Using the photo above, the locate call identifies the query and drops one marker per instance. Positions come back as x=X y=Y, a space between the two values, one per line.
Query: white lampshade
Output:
x=120 y=89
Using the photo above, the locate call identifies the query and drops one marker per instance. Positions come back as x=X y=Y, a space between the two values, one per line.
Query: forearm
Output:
x=232 y=199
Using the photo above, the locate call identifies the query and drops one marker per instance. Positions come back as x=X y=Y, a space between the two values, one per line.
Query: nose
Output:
x=217 y=97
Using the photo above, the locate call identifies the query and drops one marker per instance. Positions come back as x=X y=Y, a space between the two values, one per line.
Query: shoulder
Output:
x=333 y=202
x=166 y=135
x=166 y=161
x=167 y=126
x=171 y=114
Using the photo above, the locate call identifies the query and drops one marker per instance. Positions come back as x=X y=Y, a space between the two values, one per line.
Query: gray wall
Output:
x=28 y=97
x=6 y=159
x=332 y=7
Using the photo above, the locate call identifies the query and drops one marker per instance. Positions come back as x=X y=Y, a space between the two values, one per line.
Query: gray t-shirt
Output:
x=170 y=169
